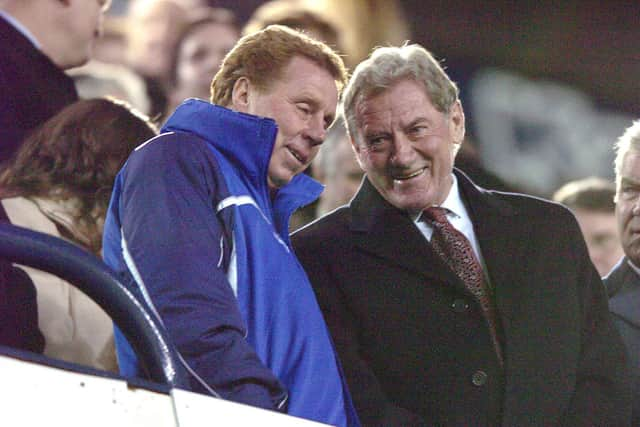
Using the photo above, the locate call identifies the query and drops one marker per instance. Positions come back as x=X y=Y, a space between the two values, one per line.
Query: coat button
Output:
x=479 y=378
x=459 y=305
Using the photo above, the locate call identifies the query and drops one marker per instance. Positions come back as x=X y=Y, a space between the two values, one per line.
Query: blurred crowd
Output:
x=105 y=77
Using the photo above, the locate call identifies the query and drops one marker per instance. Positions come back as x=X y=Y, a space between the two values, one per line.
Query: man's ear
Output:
x=240 y=99
x=456 y=122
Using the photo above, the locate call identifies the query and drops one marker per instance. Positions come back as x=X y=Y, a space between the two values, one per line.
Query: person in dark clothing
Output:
x=623 y=282
x=40 y=39
x=449 y=304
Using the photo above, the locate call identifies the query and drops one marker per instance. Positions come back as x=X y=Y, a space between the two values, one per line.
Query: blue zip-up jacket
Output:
x=192 y=227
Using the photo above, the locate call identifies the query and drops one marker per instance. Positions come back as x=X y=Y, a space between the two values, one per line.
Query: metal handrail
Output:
x=89 y=274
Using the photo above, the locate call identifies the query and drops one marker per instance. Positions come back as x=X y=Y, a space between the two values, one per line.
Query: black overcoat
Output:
x=32 y=88
x=412 y=340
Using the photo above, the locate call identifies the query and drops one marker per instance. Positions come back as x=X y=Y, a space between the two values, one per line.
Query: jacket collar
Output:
x=368 y=207
x=246 y=141
x=623 y=287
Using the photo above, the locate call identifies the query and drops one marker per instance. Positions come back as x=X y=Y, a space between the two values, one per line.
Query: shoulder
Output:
x=167 y=151
x=173 y=162
x=518 y=205
x=532 y=209
x=180 y=144
x=621 y=279
x=330 y=228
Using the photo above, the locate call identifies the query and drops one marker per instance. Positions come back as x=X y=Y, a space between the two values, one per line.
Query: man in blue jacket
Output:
x=198 y=222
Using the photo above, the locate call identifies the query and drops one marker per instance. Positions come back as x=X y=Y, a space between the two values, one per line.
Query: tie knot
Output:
x=436 y=214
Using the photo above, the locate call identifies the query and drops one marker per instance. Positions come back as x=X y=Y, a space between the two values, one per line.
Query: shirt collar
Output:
x=453 y=203
x=21 y=28
x=633 y=266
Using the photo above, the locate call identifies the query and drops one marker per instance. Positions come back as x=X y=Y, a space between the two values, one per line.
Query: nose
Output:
x=403 y=152
x=316 y=131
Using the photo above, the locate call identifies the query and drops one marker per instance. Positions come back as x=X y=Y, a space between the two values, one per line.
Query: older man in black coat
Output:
x=623 y=282
x=451 y=305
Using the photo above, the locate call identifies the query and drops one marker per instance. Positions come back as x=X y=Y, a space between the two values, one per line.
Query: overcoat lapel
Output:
x=385 y=232
x=491 y=218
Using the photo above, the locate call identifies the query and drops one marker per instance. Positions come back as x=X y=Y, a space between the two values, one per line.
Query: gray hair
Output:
x=629 y=141
x=387 y=65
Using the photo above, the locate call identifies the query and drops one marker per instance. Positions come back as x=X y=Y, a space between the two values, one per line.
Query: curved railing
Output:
x=94 y=278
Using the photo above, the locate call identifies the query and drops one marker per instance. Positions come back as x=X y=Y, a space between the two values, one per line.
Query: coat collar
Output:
x=244 y=139
x=247 y=142
x=623 y=287
x=389 y=233
x=368 y=206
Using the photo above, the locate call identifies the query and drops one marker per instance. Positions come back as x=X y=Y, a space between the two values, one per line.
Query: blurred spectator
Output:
x=623 y=283
x=294 y=14
x=99 y=80
x=40 y=38
x=194 y=4
x=337 y=168
x=111 y=47
x=363 y=24
x=199 y=51
x=591 y=201
x=468 y=160
x=153 y=27
x=59 y=183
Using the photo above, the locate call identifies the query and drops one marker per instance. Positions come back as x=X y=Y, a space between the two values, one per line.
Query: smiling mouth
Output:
x=297 y=156
x=406 y=177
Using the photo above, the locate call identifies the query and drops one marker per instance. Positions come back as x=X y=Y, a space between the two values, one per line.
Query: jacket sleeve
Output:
x=373 y=406
x=173 y=241
x=603 y=388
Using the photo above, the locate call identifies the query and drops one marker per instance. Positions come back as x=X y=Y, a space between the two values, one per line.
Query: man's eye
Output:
x=629 y=192
x=304 y=108
x=376 y=141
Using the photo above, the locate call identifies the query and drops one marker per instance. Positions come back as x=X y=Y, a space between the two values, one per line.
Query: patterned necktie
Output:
x=454 y=248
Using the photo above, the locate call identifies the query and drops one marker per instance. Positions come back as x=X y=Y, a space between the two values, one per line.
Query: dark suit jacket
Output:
x=32 y=88
x=623 y=287
x=413 y=342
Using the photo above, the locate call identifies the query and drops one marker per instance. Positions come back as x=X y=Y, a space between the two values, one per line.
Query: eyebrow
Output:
x=416 y=122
